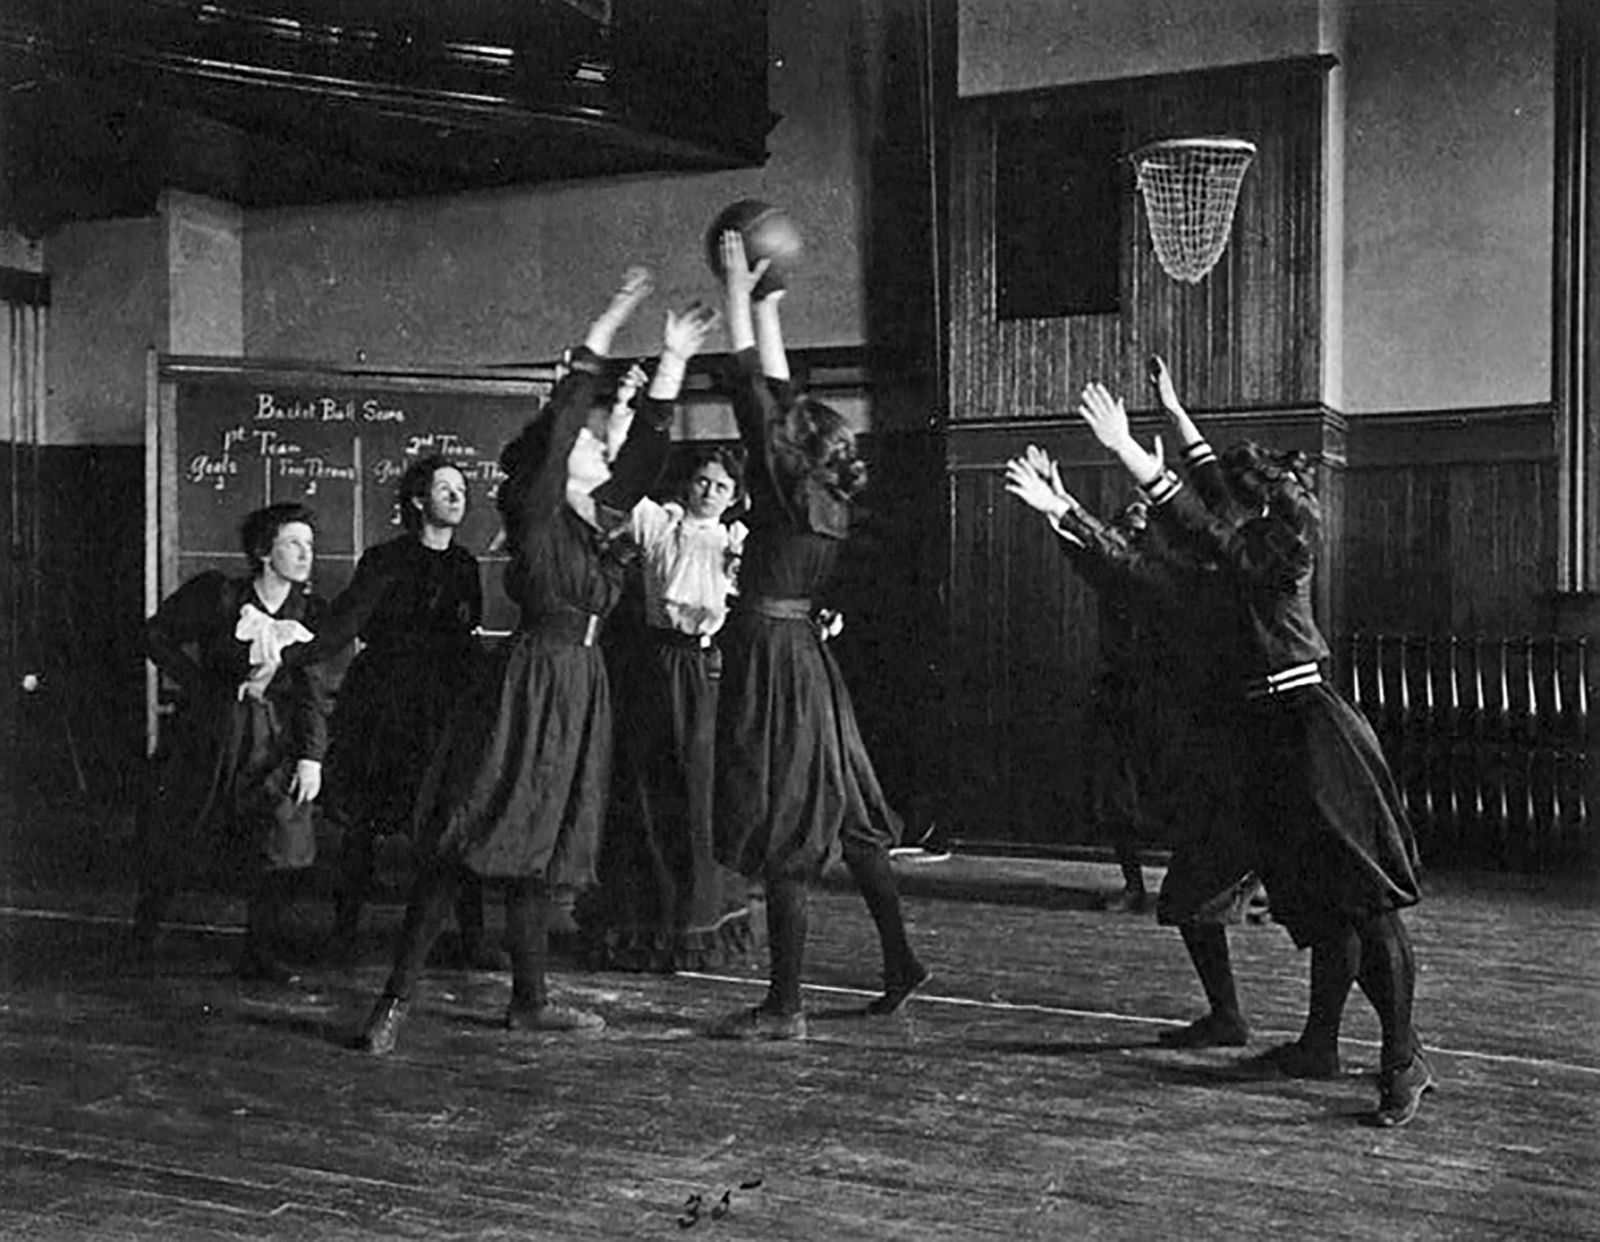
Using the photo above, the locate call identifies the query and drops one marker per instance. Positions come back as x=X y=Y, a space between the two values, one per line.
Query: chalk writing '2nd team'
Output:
x=324 y=410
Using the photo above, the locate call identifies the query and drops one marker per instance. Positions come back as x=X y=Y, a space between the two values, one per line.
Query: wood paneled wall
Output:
x=1024 y=629
x=1433 y=524
x=1246 y=337
x=1451 y=522
x=75 y=602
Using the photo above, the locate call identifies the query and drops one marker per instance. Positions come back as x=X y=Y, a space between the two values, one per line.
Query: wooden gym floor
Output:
x=1021 y=1097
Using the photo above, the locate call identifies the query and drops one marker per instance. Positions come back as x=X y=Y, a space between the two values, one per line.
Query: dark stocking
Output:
x=1128 y=860
x=528 y=913
x=469 y=914
x=1334 y=963
x=264 y=918
x=1208 y=950
x=355 y=882
x=871 y=870
x=786 y=937
x=1388 y=977
x=431 y=897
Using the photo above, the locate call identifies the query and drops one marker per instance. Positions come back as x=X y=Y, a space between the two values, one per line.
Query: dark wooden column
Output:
x=1576 y=367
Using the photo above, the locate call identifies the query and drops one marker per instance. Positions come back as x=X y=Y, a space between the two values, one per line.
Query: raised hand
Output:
x=1028 y=478
x=1108 y=419
x=682 y=338
x=1046 y=468
x=685 y=333
x=1105 y=415
x=633 y=379
x=636 y=286
x=1162 y=379
x=740 y=276
x=621 y=417
x=1188 y=433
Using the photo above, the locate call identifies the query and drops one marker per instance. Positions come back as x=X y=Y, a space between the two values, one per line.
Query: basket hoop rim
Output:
x=1217 y=143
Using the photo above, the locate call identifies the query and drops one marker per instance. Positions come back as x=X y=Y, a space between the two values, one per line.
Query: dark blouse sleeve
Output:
x=189 y=615
x=472 y=583
x=639 y=462
x=756 y=411
x=1264 y=552
x=313 y=695
x=537 y=490
x=1204 y=472
x=349 y=612
x=1106 y=559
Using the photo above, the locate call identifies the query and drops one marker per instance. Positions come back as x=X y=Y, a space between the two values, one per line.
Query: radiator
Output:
x=1490 y=741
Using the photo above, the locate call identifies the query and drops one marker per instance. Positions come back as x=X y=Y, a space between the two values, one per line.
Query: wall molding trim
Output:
x=1453 y=437
x=981 y=444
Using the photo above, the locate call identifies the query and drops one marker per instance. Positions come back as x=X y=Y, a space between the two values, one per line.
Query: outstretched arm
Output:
x=1035 y=480
x=1182 y=425
x=621 y=416
x=755 y=407
x=1198 y=458
x=636 y=287
x=339 y=624
x=1101 y=552
x=1108 y=419
x=643 y=454
x=540 y=488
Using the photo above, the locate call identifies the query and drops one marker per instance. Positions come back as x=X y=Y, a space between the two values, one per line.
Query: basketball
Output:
x=768 y=233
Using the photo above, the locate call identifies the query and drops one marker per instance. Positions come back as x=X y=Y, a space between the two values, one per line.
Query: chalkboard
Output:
x=230 y=436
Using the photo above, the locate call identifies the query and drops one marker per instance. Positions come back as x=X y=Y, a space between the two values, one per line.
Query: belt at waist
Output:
x=780 y=609
x=565 y=624
x=665 y=637
x=1283 y=681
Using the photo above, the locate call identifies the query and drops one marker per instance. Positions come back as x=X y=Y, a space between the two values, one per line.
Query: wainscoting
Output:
x=1436 y=525
x=73 y=586
x=970 y=645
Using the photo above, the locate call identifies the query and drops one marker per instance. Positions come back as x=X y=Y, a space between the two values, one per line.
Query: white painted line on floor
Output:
x=922 y=998
x=927 y=998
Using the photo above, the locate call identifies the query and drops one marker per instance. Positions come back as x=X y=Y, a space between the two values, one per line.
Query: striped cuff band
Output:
x=1164 y=488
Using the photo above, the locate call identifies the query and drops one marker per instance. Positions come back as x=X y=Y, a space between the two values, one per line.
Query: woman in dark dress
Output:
x=795 y=786
x=415 y=602
x=1327 y=831
x=517 y=791
x=241 y=761
x=1198 y=662
x=664 y=902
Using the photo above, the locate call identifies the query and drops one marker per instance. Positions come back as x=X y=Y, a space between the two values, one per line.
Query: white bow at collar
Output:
x=267 y=637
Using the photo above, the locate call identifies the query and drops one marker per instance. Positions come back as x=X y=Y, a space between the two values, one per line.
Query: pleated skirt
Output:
x=1318 y=817
x=664 y=902
x=519 y=784
x=794 y=781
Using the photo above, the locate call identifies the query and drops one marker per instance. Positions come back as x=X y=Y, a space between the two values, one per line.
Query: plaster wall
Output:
x=1015 y=45
x=108 y=307
x=204 y=275
x=1440 y=166
x=1449 y=184
x=516 y=276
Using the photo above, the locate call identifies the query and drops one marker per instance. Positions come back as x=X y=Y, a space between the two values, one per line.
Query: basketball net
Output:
x=1190 y=188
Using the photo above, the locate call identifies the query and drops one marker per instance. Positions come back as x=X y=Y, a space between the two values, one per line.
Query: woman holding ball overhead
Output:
x=795 y=785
